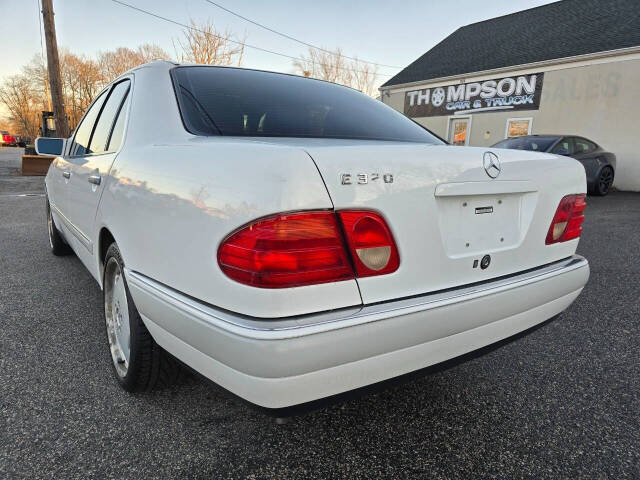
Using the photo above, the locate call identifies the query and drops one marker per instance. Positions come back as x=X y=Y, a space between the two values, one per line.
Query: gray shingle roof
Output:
x=557 y=30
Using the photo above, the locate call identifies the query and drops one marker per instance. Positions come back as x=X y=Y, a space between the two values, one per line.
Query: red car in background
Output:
x=8 y=140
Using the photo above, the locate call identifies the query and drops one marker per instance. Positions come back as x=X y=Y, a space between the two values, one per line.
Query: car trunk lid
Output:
x=446 y=212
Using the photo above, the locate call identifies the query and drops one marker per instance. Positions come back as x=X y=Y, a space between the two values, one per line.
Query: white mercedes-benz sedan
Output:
x=292 y=239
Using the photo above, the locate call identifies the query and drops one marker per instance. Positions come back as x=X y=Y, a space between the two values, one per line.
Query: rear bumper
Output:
x=280 y=363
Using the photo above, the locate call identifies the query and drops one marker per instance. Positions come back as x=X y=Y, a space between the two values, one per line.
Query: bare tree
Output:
x=82 y=80
x=116 y=62
x=5 y=124
x=36 y=70
x=364 y=77
x=17 y=95
x=334 y=67
x=25 y=95
x=324 y=65
x=203 y=43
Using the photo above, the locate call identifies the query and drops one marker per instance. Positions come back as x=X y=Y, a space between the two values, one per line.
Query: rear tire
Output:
x=138 y=362
x=58 y=246
x=604 y=182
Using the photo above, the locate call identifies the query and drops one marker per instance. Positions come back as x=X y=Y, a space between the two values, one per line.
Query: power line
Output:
x=40 y=29
x=46 y=78
x=190 y=27
x=293 y=38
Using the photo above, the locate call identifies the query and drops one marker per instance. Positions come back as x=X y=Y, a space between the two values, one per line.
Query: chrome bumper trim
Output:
x=321 y=322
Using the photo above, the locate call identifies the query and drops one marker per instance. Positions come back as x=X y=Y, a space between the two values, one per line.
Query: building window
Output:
x=516 y=127
x=458 y=130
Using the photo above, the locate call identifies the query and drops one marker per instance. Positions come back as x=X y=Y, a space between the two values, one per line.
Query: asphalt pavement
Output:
x=10 y=161
x=561 y=402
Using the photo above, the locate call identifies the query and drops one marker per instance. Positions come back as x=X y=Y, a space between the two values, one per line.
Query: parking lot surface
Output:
x=562 y=402
x=10 y=161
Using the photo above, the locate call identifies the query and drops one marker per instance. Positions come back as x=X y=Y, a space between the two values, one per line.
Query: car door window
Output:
x=563 y=147
x=583 y=145
x=118 y=129
x=81 y=139
x=104 y=126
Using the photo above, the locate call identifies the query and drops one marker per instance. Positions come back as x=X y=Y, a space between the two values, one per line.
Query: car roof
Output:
x=553 y=137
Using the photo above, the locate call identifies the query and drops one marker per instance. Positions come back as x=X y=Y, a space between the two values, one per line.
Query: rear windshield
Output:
x=237 y=102
x=526 y=143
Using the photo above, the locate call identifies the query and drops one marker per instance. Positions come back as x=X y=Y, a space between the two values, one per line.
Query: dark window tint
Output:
x=535 y=144
x=582 y=145
x=107 y=117
x=83 y=132
x=564 y=147
x=118 y=128
x=230 y=101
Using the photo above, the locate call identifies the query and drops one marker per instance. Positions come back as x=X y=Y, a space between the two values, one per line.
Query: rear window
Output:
x=533 y=144
x=237 y=102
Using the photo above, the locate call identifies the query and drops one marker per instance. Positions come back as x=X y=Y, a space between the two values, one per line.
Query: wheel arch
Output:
x=105 y=238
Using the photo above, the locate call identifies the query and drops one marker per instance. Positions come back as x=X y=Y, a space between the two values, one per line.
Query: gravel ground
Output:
x=562 y=402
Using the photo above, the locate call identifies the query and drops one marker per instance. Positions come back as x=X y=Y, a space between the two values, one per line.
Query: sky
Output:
x=387 y=32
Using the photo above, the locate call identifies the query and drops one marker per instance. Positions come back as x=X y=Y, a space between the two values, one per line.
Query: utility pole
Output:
x=53 y=65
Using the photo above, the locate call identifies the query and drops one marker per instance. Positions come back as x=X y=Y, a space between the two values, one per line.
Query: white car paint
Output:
x=169 y=198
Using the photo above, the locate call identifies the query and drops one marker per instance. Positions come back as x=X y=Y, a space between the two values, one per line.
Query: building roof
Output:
x=561 y=29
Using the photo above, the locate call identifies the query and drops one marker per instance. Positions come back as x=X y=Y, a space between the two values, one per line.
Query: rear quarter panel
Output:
x=170 y=207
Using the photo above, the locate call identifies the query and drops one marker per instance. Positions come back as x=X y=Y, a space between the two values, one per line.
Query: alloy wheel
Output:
x=605 y=180
x=116 y=310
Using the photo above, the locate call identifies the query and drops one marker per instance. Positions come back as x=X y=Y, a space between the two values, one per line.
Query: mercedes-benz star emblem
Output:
x=491 y=164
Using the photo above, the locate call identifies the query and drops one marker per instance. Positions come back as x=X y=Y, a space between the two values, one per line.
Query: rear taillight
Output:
x=296 y=249
x=372 y=246
x=287 y=250
x=567 y=222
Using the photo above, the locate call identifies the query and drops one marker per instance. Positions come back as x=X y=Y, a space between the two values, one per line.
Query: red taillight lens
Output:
x=292 y=250
x=288 y=250
x=567 y=222
x=372 y=246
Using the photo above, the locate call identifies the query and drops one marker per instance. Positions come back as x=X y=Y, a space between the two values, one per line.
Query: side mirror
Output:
x=562 y=151
x=50 y=146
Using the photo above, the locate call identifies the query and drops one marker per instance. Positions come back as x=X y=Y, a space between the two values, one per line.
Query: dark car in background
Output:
x=599 y=165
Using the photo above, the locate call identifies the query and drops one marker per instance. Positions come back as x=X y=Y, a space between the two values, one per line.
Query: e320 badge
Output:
x=364 y=178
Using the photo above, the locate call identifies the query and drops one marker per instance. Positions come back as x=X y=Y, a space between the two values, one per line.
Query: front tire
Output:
x=604 y=182
x=58 y=246
x=139 y=363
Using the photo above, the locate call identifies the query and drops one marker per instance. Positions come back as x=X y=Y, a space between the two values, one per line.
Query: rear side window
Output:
x=237 y=102
x=80 y=143
x=107 y=117
x=564 y=147
x=534 y=144
x=118 y=129
x=583 y=145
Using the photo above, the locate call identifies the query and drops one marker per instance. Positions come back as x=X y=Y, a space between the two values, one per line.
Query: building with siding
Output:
x=571 y=67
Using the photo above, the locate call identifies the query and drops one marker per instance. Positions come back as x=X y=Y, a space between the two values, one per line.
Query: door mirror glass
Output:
x=50 y=146
x=561 y=151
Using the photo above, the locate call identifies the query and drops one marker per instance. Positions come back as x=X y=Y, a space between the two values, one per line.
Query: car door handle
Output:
x=95 y=179
x=66 y=174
